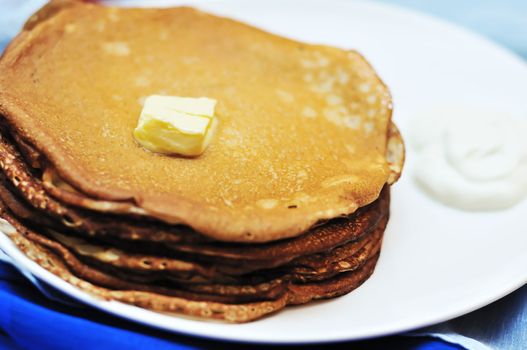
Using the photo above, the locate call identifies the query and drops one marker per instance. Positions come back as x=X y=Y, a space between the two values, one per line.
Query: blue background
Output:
x=502 y=21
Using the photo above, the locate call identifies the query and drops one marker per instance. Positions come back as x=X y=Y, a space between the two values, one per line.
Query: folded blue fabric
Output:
x=34 y=322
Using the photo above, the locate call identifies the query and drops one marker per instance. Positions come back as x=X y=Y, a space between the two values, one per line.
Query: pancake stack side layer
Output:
x=288 y=204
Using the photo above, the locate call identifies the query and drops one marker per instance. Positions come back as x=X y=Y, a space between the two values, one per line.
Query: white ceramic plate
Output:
x=437 y=263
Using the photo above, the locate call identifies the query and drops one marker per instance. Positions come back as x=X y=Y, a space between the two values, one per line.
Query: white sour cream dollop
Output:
x=472 y=160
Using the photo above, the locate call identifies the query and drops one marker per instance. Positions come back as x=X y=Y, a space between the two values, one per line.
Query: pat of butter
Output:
x=176 y=125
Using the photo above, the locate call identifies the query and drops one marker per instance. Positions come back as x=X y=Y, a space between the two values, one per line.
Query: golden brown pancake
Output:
x=303 y=129
x=228 y=303
x=158 y=267
x=288 y=204
x=348 y=234
x=272 y=282
x=318 y=239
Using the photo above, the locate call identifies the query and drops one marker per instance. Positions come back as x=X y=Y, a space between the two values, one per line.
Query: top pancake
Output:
x=302 y=135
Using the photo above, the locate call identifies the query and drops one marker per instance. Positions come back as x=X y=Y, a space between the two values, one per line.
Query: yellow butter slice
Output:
x=176 y=125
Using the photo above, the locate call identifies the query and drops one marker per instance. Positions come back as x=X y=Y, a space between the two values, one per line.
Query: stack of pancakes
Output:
x=288 y=204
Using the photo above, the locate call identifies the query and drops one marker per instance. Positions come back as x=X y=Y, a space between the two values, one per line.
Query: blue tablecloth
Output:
x=28 y=320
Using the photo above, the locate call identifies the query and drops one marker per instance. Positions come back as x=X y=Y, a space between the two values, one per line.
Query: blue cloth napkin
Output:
x=32 y=318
